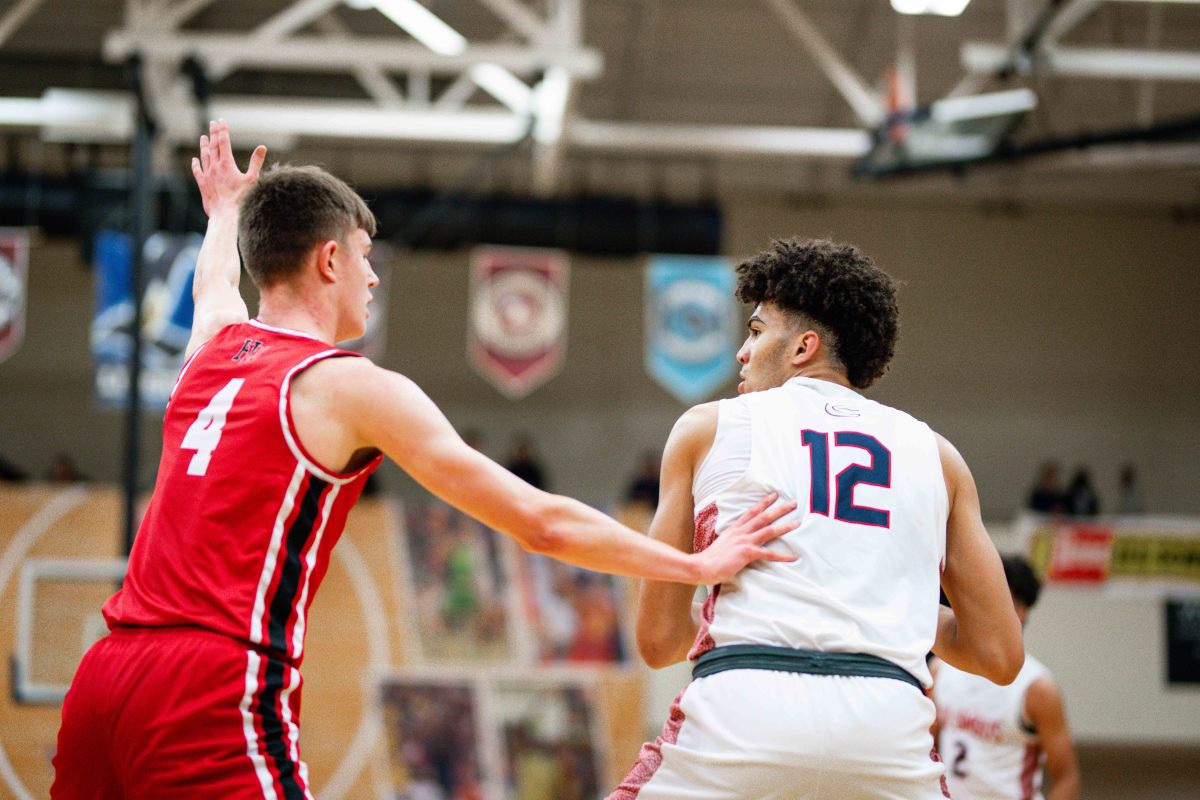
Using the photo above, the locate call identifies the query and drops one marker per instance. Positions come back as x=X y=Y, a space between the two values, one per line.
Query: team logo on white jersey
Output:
x=842 y=410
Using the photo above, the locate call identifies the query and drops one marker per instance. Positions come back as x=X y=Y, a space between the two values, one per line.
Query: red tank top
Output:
x=238 y=533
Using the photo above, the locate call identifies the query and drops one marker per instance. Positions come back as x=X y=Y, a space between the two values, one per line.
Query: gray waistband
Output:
x=810 y=662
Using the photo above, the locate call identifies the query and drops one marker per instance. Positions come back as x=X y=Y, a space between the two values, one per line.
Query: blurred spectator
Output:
x=63 y=470
x=524 y=463
x=10 y=472
x=1130 y=500
x=644 y=487
x=1048 y=496
x=1081 y=497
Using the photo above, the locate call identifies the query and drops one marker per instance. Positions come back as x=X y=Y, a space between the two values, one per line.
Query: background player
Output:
x=995 y=740
x=268 y=438
x=809 y=674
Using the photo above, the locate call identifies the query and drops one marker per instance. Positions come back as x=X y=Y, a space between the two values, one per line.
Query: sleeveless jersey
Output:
x=872 y=503
x=990 y=750
x=238 y=533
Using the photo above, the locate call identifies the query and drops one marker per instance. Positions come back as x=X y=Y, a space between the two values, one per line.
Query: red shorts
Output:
x=179 y=713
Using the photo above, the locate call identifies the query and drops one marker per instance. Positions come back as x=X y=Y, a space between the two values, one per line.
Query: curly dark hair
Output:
x=837 y=288
x=1022 y=580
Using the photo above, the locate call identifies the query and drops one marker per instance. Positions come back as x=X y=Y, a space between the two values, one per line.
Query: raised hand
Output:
x=221 y=183
x=745 y=541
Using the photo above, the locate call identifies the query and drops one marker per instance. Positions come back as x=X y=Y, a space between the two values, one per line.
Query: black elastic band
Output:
x=809 y=662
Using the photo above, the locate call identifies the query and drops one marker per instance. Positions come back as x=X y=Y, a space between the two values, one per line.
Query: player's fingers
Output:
x=224 y=148
x=204 y=154
x=256 y=161
x=767 y=534
x=774 y=555
x=773 y=513
x=197 y=172
x=757 y=508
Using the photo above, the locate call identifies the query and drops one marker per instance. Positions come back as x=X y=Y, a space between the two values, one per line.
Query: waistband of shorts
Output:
x=122 y=631
x=808 y=662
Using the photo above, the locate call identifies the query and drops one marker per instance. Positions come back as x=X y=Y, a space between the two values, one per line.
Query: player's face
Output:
x=360 y=279
x=765 y=355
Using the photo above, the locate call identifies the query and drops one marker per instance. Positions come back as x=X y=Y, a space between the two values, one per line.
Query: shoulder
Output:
x=697 y=426
x=1043 y=698
x=351 y=381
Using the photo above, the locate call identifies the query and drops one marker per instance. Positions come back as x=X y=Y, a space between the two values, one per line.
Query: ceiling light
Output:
x=942 y=8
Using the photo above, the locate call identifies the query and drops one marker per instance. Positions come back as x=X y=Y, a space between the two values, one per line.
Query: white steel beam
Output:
x=16 y=16
x=315 y=53
x=182 y=11
x=292 y=19
x=866 y=104
x=519 y=18
x=373 y=79
x=1091 y=62
x=1071 y=14
x=839 y=143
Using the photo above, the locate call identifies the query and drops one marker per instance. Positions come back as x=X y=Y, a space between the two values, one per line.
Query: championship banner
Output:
x=169 y=263
x=1104 y=550
x=517 y=329
x=14 y=266
x=690 y=315
x=373 y=342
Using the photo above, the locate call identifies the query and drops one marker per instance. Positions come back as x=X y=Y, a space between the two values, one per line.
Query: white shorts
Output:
x=751 y=734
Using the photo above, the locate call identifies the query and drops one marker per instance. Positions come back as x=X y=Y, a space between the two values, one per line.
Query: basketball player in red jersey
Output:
x=268 y=438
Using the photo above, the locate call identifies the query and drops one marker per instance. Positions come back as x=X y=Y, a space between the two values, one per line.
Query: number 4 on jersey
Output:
x=205 y=433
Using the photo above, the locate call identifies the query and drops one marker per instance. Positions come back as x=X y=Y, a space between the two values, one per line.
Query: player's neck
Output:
x=822 y=372
x=280 y=307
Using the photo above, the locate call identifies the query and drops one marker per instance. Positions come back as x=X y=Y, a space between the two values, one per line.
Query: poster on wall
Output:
x=572 y=615
x=517 y=329
x=14 y=267
x=168 y=266
x=690 y=321
x=458 y=596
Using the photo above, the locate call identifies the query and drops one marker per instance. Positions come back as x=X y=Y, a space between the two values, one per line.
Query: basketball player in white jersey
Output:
x=808 y=676
x=997 y=739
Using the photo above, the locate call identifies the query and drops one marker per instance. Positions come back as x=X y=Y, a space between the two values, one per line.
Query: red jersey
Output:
x=238 y=533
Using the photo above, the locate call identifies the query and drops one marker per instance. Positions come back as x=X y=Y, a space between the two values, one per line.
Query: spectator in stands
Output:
x=1081 y=497
x=1131 y=500
x=10 y=472
x=63 y=470
x=644 y=487
x=524 y=462
x=1048 y=496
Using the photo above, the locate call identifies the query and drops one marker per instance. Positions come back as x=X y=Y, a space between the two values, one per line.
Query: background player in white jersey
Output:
x=808 y=675
x=997 y=739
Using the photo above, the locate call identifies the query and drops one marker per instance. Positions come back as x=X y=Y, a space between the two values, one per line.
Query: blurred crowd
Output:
x=1078 y=496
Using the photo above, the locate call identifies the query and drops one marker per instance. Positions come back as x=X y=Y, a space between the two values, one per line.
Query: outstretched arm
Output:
x=982 y=634
x=388 y=411
x=218 y=270
x=1044 y=708
x=665 y=628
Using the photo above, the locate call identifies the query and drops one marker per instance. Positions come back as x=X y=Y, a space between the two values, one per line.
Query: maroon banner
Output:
x=14 y=263
x=517 y=333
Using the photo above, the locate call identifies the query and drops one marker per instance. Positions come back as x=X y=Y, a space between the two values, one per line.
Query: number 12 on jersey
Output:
x=204 y=434
x=878 y=473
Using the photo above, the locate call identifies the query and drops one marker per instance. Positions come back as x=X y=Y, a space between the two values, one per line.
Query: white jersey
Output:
x=871 y=497
x=990 y=749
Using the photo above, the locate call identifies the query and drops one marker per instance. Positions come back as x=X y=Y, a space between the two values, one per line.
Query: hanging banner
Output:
x=517 y=333
x=14 y=267
x=373 y=342
x=169 y=263
x=690 y=317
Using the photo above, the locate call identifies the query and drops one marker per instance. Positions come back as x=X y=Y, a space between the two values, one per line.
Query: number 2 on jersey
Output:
x=204 y=434
x=879 y=473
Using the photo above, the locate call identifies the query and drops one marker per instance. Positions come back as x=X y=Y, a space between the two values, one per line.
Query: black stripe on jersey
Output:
x=274 y=734
x=289 y=577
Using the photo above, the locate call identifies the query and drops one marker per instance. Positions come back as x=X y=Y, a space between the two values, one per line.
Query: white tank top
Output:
x=990 y=750
x=872 y=503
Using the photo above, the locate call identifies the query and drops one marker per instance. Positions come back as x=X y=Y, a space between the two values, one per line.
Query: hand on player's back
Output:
x=746 y=540
x=221 y=183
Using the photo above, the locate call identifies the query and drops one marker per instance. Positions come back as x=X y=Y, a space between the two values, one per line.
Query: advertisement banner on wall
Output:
x=690 y=318
x=169 y=263
x=517 y=329
x=14 y=267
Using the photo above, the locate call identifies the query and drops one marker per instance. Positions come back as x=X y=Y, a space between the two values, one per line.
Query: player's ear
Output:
x=325 y=265
x=805 y=346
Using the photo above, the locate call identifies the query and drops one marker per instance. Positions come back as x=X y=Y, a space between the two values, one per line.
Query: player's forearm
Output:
x=217 y=262
x=580 y=535
x=976 y=647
